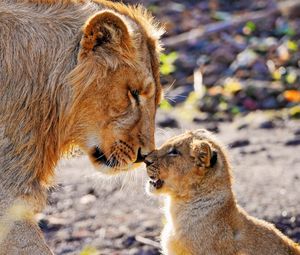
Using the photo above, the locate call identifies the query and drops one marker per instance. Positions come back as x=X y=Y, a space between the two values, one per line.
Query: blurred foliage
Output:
x=292 y=45
x=285 y=29
x=167 y=63
x=193 y=98
x=246 y=67
x=232 y=85
x=165 y=105
x=88 y=250
x=249 y=28
x=291 y=77
x=295 y=112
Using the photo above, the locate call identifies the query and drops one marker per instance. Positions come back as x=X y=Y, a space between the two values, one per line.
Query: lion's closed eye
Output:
x=134 y=97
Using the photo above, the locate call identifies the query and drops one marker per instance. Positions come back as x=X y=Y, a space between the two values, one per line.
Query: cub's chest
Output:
x=178 y=248
x=172 y=244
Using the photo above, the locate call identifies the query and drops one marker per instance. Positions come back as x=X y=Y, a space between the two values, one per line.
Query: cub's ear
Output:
x=106 y=30
x=203 y=154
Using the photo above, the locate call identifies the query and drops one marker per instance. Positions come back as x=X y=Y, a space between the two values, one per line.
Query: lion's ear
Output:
x=203 y=154
x=106 y=30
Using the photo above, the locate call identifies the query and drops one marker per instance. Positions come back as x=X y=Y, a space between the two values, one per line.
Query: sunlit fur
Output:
x=202 y=215
x=68 y=70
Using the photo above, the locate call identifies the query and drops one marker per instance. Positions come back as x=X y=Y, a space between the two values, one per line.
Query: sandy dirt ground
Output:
x=88 y=212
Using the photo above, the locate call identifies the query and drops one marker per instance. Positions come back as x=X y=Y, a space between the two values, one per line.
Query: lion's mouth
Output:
x=140 y=157
x=157 y=183
x=100 y=157
x=112 y=162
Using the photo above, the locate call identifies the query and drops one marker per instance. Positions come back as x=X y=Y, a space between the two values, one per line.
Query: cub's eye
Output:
x=173 y=152
x=136 y=95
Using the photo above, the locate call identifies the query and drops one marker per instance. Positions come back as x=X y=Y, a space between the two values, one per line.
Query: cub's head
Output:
x=117 y=88
x=190 y=164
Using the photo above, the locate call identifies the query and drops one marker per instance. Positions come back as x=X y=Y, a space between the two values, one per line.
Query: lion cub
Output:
x=193 y=172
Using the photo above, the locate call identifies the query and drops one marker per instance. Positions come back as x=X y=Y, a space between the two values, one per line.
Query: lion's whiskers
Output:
x=170 y=87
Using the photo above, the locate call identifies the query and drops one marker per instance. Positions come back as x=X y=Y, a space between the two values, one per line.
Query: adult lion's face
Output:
x=116 y=93
x=121 y=125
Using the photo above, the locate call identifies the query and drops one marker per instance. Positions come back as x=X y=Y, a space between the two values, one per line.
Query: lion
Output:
x=72 y=72
x=193 y=172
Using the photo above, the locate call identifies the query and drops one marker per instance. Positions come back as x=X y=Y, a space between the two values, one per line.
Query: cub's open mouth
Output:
x=157 y=183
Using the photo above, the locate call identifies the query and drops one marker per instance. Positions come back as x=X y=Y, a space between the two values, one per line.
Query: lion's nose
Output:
x=140 y=157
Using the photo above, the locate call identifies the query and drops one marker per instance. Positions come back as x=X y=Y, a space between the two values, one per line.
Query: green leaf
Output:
x=235 y=110
x=192 y=98
x=167 y=63
x=290 y=31
x=167 y=69
x=291 y=77
x=251 y=26
x=232 y=85
x=172 y=56
x=89 y=251
x=276 y=75
x=152 y=8
x=165 y=105
x=223 y=106
x=295 y=112
x=292 y=45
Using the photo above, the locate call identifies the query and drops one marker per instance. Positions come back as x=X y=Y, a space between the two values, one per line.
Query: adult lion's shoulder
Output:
x=73 y=72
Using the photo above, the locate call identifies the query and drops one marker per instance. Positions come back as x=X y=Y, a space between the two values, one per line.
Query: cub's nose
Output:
x=140 y=157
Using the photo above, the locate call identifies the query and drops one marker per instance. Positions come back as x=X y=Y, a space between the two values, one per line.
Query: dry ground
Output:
x=115 y=216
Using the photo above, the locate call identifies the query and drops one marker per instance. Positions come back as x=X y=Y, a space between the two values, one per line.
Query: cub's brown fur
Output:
x=72 y=72
x=193 y=172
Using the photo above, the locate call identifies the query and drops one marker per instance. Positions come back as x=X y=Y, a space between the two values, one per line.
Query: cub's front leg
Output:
x=24 y=238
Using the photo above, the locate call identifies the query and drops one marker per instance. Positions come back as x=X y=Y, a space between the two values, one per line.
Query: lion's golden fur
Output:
x=202 y=215
x=69 y=72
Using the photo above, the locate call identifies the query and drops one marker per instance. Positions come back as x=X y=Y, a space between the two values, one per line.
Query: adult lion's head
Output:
x=116 y=88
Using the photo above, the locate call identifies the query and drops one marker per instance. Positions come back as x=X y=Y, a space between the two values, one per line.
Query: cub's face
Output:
x=183 y=164
x=116 y=109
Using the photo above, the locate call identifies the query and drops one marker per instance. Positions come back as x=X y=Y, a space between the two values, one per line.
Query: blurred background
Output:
x=232 y=67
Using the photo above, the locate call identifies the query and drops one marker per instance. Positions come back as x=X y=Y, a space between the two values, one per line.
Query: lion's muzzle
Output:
x=101 y=158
